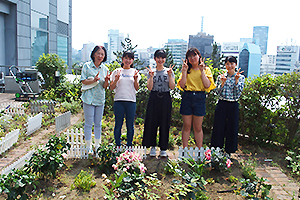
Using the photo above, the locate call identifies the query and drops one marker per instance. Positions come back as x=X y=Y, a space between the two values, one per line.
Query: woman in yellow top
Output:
x=195 y=80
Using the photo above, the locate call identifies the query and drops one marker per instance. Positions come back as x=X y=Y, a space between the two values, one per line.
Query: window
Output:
x=39 y=35
x=62 y=48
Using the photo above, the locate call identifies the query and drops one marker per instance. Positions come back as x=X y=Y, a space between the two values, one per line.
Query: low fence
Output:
x=75 y=138
x=43 y=106
x=18 y=164
x=34 y=123
x=63 y=121
x=12 y=108
x=9 y=140
x=195 y=153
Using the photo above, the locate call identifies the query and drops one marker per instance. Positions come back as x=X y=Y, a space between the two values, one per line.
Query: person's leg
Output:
x=198 y=132
x=130 y=112
x=151 y=123
x=165 y=121
x=97 y=123
x=89 y=120
x=187 y=124
x=119 y=117
x=232 y=127
x=219 y=127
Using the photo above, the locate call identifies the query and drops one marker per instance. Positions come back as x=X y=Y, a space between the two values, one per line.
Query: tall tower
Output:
x=260 y=37
x=202 y=24
x=114 y=44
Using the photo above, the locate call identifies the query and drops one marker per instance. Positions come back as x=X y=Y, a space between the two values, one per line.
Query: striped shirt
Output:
x=230 y=91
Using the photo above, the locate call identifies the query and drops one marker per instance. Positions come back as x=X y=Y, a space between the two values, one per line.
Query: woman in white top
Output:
x=125 y=83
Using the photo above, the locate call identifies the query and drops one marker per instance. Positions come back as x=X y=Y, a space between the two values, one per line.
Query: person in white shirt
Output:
x=125 y=83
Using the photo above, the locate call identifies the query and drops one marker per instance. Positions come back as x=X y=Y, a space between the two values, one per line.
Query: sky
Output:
x=152 y=23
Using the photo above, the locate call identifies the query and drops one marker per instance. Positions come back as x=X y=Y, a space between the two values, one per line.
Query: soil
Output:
x=60 y=188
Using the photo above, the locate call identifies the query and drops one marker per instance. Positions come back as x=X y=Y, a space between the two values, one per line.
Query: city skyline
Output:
x=226 y=21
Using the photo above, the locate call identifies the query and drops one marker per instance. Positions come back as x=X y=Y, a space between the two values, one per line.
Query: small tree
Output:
x=48 y=65
x=216 y=58
x=127 y=46
x=169 y=59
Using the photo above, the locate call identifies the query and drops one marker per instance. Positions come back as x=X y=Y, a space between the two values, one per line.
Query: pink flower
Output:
x=228 y=163
x=64 y=155
x=208 y=154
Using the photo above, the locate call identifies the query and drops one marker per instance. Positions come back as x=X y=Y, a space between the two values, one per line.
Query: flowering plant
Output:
x=217 y=159
x=129 y=162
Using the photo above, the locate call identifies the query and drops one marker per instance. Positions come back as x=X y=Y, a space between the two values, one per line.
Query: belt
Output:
x=160 y=94
x=194 y=92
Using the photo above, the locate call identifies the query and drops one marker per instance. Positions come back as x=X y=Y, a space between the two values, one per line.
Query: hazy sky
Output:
x=152 y=23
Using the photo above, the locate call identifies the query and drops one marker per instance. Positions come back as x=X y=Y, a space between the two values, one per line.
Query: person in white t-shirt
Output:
x=125 y=83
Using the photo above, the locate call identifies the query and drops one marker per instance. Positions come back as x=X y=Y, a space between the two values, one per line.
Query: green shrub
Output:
x=84 y=181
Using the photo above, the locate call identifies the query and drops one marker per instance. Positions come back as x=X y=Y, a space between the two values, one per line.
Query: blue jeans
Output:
x=121 y=108
x=92 y=115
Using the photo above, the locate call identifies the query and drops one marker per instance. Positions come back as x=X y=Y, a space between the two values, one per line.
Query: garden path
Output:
x=39 y=137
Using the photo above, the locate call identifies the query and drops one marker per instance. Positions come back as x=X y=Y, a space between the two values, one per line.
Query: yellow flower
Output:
x=59 y=146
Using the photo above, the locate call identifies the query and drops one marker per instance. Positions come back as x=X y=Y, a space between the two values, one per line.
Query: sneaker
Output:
x=163 y=153
x=90 y=151
x=153 y=151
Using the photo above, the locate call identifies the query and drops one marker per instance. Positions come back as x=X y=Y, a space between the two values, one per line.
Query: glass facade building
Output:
x=178 y=47
x=33 y=27
x=260 y=37
x=203 y=42
x=249 y=60
x=287 y=59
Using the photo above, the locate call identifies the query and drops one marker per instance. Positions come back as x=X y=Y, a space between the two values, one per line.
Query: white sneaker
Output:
x=163 y=153
x=153 y=151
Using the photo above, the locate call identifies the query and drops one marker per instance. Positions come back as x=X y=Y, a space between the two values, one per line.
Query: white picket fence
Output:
x=13 y=108
x=9 y=140
x=34 y=123
x=18 y=164
x=63 y=121
x=195 y=153
x=78 y=147
x=43 y=106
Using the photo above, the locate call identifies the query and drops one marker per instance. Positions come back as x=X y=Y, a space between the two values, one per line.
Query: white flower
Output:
x=53 y=194
x=104 y=176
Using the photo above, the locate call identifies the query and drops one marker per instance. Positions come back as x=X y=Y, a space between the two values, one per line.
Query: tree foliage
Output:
x=217 y=61
x=127 y=46
x=48 y=65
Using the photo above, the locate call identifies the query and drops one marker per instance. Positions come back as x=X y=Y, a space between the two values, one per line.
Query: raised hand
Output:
x=135 y=76
x=96 y=78
x=117 y=76
x=170 y=70
x=107 y=77
x=151 y=72
x=202 y=64
x=184 y=66
x=223 y=78
x=238 y=75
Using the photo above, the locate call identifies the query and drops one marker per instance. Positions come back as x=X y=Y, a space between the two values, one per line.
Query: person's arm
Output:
x=113 y=84
x=206 y=82
x=136 y=81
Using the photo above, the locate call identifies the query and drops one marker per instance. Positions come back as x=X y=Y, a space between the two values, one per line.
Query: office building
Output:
x=231 y=49
x=178 y=47
x=114 y=44
x=268 y=64
x=249 y=59
x=29 y=28
x=203 y=43
x=86 y=51
x=287 y=59
x=260 y=37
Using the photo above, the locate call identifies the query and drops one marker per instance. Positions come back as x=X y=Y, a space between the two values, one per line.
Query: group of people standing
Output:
x=195 y=80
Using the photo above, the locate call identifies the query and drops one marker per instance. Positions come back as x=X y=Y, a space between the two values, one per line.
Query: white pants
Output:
x=92 y=115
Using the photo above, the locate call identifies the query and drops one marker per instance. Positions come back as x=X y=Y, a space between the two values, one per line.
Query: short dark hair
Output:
x=96 y=48
x=192 y=51
x=160 y=53
x=128 y=54
x=231 y=59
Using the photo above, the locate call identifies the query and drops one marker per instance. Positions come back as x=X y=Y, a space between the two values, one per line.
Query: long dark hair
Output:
x=191 y=51
x=96 y=48
x=130 y=55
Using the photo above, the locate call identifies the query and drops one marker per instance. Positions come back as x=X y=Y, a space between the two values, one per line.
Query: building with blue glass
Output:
x=249 y=59
x=260 y=37
x=29 y=28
